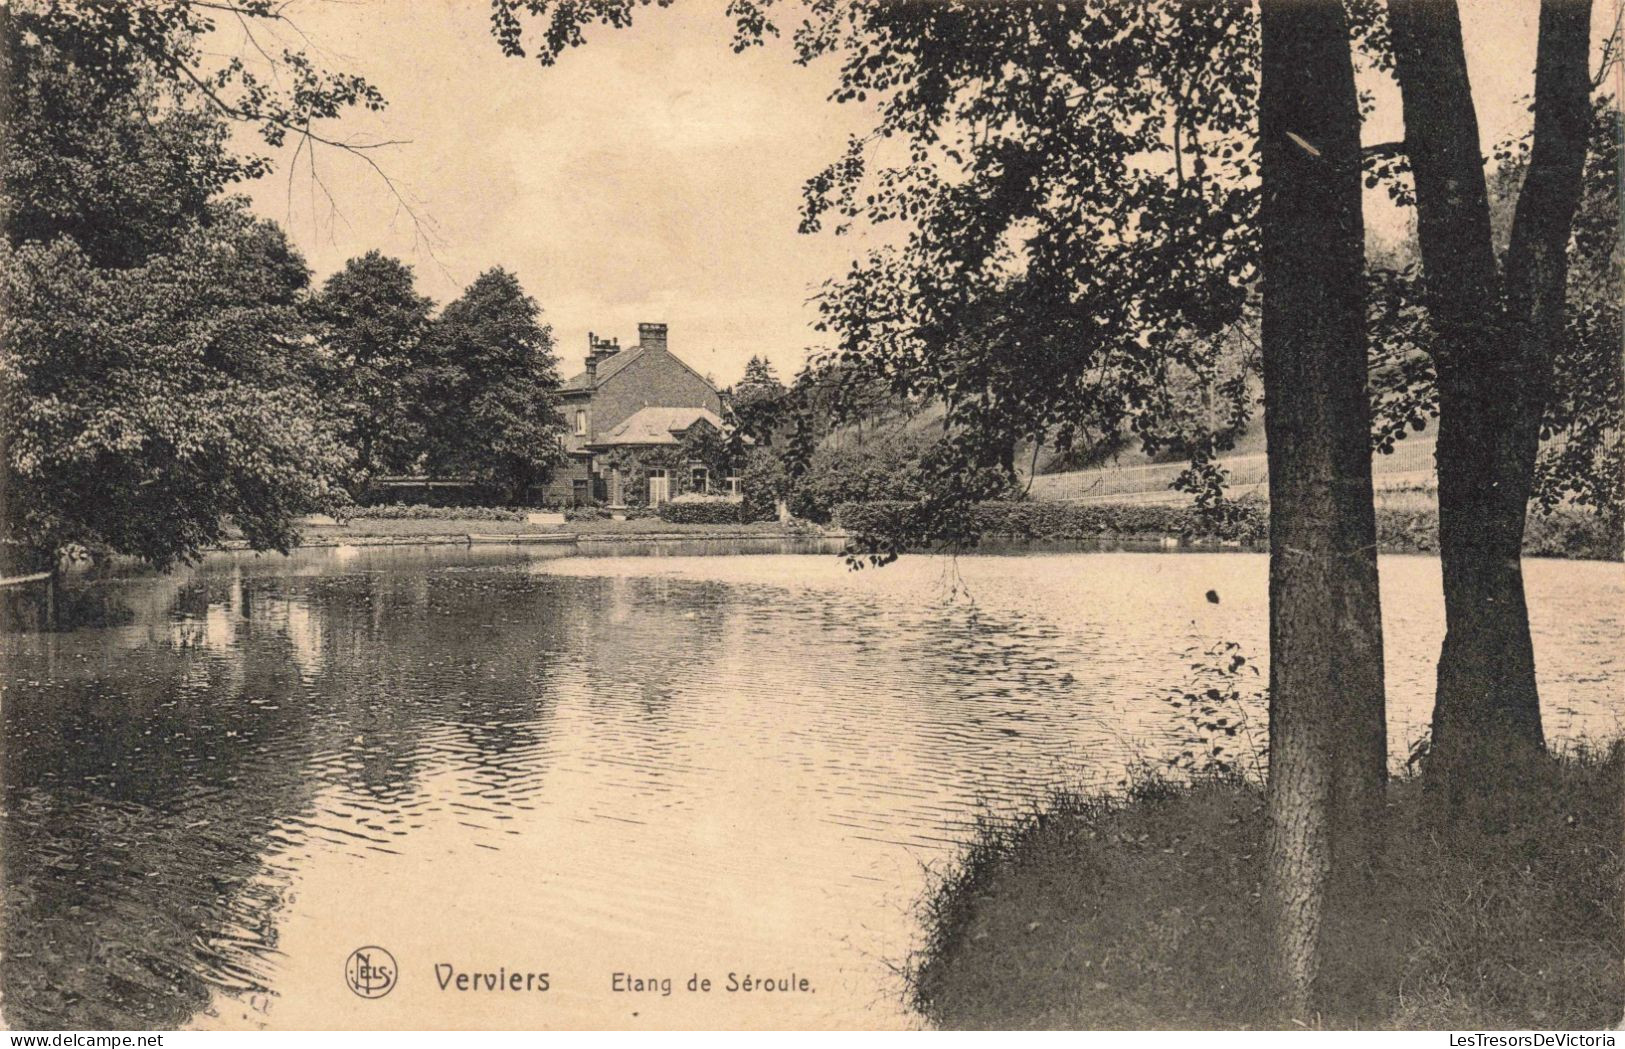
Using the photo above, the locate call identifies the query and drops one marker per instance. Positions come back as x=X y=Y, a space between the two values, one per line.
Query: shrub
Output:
x=1572 y=532
x=422 y=512
x=709 y=512
x=881 y=469
x=1214 y=710
x=586 y=513
x=763 y=481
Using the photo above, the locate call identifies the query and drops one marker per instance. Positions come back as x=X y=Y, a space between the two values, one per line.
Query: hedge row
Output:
x=1246 y=521
x=1565 y=532
x=422 y=512
x=703 y=513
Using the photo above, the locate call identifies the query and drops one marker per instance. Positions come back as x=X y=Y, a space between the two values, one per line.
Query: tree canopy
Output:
x=147 y=408
x=372 y=324
x=489 y=389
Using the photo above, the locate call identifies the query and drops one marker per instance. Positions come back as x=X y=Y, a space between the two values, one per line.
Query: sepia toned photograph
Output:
x=786 y=515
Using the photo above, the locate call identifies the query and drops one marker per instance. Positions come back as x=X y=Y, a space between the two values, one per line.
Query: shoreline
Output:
x=539 y=537
x=328 y=537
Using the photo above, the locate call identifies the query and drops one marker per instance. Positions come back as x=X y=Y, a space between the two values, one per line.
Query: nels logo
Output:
x=370 y=972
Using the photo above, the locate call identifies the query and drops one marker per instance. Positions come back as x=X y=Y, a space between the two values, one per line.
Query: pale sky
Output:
x=651 y=175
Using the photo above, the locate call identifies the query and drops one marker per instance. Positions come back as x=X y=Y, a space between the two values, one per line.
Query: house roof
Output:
x=658 y=426
x=609 y=366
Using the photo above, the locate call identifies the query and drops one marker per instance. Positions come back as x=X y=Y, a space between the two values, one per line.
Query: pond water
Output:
x=522 y=761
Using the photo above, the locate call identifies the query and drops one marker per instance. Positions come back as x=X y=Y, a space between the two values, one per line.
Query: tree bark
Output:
x=1494 y=351
x=1328 y=736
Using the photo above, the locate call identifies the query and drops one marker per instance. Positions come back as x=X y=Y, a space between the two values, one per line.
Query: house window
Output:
x=732 y=485
x=581 y=422
x=698 y=479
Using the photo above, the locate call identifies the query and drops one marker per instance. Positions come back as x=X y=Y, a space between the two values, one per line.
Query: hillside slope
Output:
x=1408 y=469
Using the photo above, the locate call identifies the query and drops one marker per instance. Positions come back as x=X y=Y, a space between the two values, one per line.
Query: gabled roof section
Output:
x=658 y=426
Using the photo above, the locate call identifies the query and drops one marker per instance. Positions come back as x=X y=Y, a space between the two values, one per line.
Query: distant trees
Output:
x=755 y=407
x=759 y=381
x=487 y=390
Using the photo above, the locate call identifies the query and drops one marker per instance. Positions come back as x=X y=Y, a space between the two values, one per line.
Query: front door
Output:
x=659 y=487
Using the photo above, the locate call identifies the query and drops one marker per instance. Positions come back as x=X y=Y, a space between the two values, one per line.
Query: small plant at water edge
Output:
x=1211 y=708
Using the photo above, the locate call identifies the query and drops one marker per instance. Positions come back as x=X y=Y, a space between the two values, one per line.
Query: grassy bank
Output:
x=1145 y=912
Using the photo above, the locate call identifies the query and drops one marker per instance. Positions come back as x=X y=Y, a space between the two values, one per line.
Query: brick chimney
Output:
x=652 y=335
x=597 y=350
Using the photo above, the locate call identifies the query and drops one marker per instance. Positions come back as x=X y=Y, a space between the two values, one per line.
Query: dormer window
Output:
x=581 y=422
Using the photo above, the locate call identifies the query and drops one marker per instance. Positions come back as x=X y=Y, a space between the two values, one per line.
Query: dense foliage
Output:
x=167 y=371
x=849 y=471
x=488 y=390
x=763 y=481
x=145 y=405
x=156 y=369
x=157 y=374
x=122 y=166
x=372 y=324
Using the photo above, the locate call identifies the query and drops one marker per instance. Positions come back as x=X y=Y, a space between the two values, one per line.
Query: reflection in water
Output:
x=592 y=764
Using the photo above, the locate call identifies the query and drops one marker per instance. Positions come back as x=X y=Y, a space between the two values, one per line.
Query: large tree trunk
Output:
x=1328 y=740
x=1494 y=356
